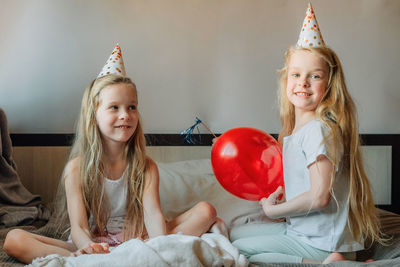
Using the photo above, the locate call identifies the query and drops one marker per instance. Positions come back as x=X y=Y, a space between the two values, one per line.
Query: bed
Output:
x=186 y=177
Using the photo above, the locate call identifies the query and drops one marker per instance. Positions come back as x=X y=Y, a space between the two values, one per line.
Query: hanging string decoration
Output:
x=190 y=137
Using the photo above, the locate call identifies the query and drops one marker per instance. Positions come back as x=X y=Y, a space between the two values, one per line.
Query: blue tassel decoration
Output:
x=189 y=136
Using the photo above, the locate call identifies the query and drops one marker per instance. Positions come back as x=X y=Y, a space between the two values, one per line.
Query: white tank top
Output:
x=116 y=192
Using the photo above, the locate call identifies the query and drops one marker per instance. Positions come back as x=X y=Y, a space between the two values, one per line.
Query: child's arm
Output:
x=153 y=217
x=80 y=231
x=316 y=198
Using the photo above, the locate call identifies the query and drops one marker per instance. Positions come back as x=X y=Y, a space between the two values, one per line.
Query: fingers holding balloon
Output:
x=278 y=195
x=274 y=198
x=270 y=203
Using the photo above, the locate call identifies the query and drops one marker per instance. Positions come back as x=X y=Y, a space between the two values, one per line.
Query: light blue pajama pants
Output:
x=268 y=242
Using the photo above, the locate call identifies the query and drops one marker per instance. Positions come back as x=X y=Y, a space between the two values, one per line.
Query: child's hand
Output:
x=93 y=248
x=275 y=198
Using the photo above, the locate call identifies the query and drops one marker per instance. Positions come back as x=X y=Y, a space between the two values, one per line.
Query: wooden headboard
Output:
x=41 y=158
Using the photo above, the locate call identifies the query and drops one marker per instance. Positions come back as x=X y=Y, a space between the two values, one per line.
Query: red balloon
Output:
x=248 y=163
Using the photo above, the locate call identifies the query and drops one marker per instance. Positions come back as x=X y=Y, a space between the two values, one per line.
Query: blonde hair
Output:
x=338 y=112
x=88 y=149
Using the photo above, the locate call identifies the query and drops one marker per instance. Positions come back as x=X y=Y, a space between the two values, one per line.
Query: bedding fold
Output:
x=172 y=250
x=18 y=206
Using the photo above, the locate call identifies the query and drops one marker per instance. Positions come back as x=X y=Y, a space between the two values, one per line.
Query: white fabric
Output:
x=185 y=183
x=172 y=250
x=117 y=193
x=326 y=229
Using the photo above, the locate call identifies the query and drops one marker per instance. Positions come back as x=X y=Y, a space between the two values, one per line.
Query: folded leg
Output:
x=257 y=229
x=257 y=248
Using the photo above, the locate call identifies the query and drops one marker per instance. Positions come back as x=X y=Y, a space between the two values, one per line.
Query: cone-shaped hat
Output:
x=114 y=64
x=310 y=35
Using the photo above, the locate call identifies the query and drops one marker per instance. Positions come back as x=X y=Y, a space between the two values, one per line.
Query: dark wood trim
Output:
x=57 y=139
x=67 y=140
x=392 y=140
x=42 y=139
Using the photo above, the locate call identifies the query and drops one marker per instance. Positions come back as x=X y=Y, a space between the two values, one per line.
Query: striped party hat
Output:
x=114 y=64
x=310 y=35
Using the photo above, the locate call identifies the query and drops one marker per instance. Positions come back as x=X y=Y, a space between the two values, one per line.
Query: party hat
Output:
x=310 y=35
x=114 y=64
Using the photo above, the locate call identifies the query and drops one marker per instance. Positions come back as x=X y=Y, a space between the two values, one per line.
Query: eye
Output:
x=132 y=107
x=315 y=76
x=295 y=75
x=114 y=107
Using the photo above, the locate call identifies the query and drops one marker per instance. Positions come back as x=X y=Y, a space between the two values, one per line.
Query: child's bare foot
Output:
x=335 y=256
x=370 y=260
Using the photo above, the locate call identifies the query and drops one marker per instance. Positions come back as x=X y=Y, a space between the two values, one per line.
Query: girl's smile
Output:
x=302 y=94
x=123 y=127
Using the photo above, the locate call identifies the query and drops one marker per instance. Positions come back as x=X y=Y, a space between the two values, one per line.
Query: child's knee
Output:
x=206 y=210
x=243 y=246
x=250 y=246
x=13 y=242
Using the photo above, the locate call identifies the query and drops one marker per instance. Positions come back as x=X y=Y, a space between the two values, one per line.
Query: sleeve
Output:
x=313 y=143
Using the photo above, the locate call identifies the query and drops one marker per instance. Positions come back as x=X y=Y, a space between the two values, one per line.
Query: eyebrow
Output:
x=117 y=102
x=296 y=68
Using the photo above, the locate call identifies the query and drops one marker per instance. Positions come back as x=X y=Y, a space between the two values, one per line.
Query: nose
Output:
x=124 y=115
x=303 y=82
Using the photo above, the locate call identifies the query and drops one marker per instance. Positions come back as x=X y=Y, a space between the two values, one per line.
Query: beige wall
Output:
x=216 y=59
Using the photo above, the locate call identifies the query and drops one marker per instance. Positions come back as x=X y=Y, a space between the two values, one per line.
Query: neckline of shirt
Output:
x=301 y=129
x=117 y=180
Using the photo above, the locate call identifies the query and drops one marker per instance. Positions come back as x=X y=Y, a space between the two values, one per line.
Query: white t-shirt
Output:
x=326 y=229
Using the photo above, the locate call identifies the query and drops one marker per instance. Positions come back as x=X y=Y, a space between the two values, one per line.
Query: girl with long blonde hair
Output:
x=111 y=185
x=327 y=203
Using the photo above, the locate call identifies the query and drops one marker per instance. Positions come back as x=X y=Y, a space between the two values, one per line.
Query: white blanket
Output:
x=172 y=250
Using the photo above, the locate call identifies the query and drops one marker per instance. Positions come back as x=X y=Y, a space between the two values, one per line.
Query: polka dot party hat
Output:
x=310 y=35
x=114 y=64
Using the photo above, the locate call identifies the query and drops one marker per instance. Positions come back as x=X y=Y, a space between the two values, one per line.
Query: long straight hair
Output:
x=338 y=112
x=88 y=149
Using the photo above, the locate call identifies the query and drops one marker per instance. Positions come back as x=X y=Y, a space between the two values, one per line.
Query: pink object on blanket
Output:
x=112 y=239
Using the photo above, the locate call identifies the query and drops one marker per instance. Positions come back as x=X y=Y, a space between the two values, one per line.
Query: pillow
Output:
x=183 y=184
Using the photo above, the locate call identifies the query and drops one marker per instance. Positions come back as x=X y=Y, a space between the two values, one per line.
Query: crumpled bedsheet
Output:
x=210 y=249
